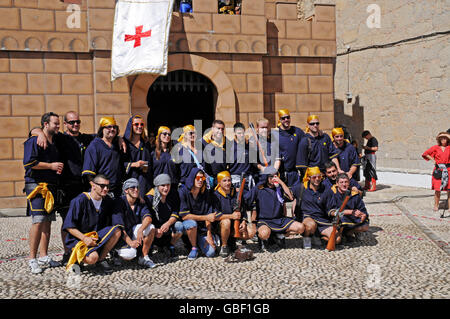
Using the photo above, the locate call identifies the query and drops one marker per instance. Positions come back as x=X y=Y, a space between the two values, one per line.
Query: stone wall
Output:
x=259 y=62
x=402 y=93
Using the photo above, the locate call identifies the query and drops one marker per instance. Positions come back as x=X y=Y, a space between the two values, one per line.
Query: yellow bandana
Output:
x=310 y=171
x=42 y=189
x=106 y=121
x=80 y=250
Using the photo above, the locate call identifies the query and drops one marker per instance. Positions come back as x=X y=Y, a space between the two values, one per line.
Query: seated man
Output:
x=164 y=204
x=226 y=198
x=355 y=218
x=267 y=199
x=311 y=211
x=90 y=220
x=137 y=222
x=331 y=172
x=196 y=205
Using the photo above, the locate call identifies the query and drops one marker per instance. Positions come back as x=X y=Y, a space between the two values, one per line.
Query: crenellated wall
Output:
x=259 y=62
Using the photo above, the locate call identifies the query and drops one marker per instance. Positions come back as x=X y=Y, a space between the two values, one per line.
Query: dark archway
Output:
x=179 y=98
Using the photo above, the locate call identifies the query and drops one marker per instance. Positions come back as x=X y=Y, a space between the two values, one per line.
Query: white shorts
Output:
x=129 y=253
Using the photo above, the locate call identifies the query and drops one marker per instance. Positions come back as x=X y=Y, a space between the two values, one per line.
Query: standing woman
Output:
x=161 y=157
x=440 y=153
x=188 y=156
x=137 y=160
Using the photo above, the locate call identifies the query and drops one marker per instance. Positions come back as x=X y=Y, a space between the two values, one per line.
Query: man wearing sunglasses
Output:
x=71 y=144
x=289 y=138
x=103 y=156
x=316 y=148
x=92 y=220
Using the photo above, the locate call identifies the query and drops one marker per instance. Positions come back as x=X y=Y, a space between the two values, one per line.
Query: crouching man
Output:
x=92 y=226
x=138 y=229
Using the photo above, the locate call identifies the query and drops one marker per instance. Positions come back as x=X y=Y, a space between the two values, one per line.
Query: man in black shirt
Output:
x=370 y=161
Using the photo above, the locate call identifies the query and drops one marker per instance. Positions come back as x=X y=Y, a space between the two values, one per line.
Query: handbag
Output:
x=437 y=173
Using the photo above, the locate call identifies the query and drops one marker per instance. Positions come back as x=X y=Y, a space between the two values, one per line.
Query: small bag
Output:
x=240 y=255
x=437 y=173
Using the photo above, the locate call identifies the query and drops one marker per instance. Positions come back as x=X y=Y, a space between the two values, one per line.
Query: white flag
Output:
x=140 y=37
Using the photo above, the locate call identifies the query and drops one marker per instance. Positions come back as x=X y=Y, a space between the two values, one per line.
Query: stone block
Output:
x=61 y=24
x=13 y=202
x=112 y=103
x=18 y=146
x=253 y=25
x=102 y=61
x=26 y=62
x=323 y=30
x=270 y=10
x=28 y=105
x=325 y=13
x=298 y=29
x=103 y=82
x=227 y=24
x=101 y=4
x=12 y=170
x=327 y=102
x=4 y=62
x=284 y=101
x=6 y=148
x=320 y=84
x=18 y=188
x=295 y=84
x=86 y=104
x=87 y=123
x=197 y=22
x=60 y=62
x=77 y=84
x=286 y=11
x=239 y=82
x=254 y=83
x=276 y=29
x=60 y=104
x=253 y=7
x=6 y=3
x=326 y=120
x=308 y=66
x=13 y=83
x=5 y=105
x=308 y=103
x=44 y=83
x=120 y=85
x=247 y=64
x=37 y=20
x=12 y=22
x=84 y=63
x=205 y=6
x=101 y=19
x=251 y=102
x=6 y=189
x=26 y=3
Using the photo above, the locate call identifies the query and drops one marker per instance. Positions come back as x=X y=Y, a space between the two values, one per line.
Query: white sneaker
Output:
x=307 y=243
x=48 y=261
x=34 y=265
x=146 y=262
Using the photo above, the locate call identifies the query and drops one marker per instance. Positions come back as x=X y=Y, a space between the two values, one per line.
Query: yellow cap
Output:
x=310 y=171
x=106 y=121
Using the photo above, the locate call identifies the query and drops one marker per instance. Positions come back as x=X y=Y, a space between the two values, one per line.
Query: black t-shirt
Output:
x=372 y=142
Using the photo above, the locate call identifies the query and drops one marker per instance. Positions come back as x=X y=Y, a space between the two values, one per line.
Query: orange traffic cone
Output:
x=374 y=185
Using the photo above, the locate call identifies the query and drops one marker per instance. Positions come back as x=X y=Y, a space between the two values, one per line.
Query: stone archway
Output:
x=225 y=106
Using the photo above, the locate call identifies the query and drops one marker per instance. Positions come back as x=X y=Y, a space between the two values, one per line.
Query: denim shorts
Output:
x=182 y=226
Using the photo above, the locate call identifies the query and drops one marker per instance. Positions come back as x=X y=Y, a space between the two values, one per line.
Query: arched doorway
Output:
x=179 y=98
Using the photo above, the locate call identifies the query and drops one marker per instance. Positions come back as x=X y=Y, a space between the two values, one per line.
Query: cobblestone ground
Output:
x=397 y=258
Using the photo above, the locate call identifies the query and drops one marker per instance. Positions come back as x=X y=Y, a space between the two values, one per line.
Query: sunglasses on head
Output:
x=102 y=186
x=74 y=122
x=138 y=124
x=314 y=123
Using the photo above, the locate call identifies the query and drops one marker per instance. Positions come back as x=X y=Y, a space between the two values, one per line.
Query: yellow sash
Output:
x=42 y=189
x=80 y=251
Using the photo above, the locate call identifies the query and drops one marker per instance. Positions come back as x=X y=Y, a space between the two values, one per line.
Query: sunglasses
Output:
x=286 y=117
x=315 y=177
x=102 y=186
x=190 y=133
x=110 y=127
x=138 y=124
x=200 y=178
x=165 y=133
x=314 y=123
x=74 y=122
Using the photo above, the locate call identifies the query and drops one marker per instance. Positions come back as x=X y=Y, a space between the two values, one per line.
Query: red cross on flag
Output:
x=140 y=37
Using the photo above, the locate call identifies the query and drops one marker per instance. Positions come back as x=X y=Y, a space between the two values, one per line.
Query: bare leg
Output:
x=310 y=227
x=45 y=238
x=147 y=242
x=192 y=235
x=35 y=238
x=225 y=230
x=110 y=244
x=264 y=232
x=437 y=197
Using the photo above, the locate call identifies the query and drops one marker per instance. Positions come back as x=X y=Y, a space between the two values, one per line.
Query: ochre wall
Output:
x=259 y=62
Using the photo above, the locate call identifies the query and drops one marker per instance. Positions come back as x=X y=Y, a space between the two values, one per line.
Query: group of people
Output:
x=118 y=196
